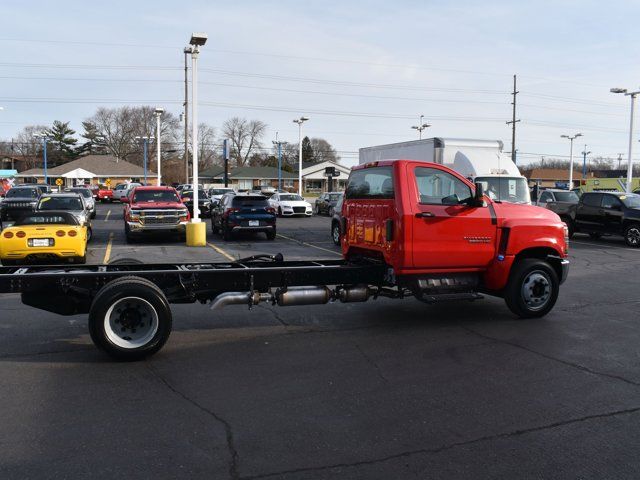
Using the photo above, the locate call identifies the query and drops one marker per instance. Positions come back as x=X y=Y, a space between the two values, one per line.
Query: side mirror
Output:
x=548 y=200
x=478 y=198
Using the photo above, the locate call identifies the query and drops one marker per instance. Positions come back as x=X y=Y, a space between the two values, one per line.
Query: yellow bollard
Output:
x=196 y=234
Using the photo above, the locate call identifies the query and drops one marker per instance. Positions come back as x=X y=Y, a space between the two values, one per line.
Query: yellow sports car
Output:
x=44 y=235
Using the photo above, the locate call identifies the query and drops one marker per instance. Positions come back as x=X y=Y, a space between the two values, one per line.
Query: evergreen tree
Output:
x=95 y=141
x=62 y=142
x=307 y=150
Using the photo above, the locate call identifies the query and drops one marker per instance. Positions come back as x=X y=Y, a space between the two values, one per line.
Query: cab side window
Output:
x=439 y=187
x=545 y=197
x=592 y=199
x=609 y=201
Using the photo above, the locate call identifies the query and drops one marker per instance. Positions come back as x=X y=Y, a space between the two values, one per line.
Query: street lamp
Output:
x=633 y=101
x=44 y=138
x=300 y=121
x=421 y=126
x=571 y=139
x=158 y=112
x=584 y=161
x=187 y=51
x=145 y=139
x=196 y=231
x=279 y=144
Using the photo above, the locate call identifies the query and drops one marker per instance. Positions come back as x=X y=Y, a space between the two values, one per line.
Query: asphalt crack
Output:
x=233 y=452
x=373 y=364
x=436 y=450
x=555 y=359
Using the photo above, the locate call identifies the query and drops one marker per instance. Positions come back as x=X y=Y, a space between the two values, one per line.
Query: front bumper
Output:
x=291 y=213
x=136 y=227
x=564 y=268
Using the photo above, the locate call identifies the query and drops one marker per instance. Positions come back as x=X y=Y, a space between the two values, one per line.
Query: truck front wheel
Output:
x=532 y=289
x=130 y=319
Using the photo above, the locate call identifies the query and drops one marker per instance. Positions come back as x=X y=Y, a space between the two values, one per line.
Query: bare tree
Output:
x=245 y=137
x=29 y=147
x=323 y=151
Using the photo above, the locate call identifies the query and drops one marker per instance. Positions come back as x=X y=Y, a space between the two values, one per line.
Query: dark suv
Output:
x=326 y=203
x=244 y=212
x=18 y=202
x=606 y=213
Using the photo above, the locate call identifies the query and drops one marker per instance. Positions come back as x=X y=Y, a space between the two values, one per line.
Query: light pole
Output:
x=420 y=127
x=279 y=144
x=145 y=139
x=300 y=121
x=584 y=161
x=633 y=101
x=159 y=111
x=187 y=51
x=196 y=230
x=44 y=138
x=571 y=139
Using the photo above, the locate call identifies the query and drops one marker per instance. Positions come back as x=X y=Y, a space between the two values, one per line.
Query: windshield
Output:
x=85 y=192
x=220 y=191
x=22 y=193
x=334 y=197
x=152 y=196
x=631 y=201
x=506 y=189
x=566 y=197
x=60 y=203
x=291 y=198
x=189 y=194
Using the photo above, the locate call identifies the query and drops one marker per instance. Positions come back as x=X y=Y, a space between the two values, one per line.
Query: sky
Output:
x=363 y=72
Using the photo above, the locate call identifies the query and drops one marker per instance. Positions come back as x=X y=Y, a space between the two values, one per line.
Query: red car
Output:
x=102 y=193
x=154 y=210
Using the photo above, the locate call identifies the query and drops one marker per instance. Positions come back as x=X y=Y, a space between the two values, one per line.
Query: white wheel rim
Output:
x=536 y=290
x=131 y=322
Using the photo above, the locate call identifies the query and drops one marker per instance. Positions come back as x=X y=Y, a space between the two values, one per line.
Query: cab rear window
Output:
x=255 y=200
x=376 y=182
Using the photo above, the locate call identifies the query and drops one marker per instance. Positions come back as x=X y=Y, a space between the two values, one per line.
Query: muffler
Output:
x=303 y=296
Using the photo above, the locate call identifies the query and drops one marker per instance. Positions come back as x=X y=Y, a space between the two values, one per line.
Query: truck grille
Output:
x=160 y=217
x=299 y=209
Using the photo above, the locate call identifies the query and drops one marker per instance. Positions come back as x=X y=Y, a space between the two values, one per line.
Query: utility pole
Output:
x=584 y=161
x=225 y=157
x=513 y=122
x=620 y=160
x=279 y=144
x=187 y=51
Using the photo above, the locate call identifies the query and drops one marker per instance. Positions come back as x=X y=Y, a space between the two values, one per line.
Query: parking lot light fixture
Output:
x=158 y=112
x=145 y=139
x=420 y=127
x=44 y=138
x=633 y=101
x=571 y=139
x=300 y=121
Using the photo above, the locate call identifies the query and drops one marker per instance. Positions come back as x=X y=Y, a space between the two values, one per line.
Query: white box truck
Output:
x=478 y=160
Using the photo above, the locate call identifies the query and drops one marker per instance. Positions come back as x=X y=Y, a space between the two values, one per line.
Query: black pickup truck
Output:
x=605 y=213
x=18 y=202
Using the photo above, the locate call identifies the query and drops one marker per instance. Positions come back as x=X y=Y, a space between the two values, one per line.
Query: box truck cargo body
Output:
x=478 y=160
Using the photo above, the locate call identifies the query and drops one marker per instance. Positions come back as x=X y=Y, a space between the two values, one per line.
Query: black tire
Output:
x=93 y=214
x=89 y=234
x=331 y=211
x=226 y=233
x=570 y=225
x=214 y=229
x=81 y=260
x=335 y=233
x=279 y=211
x=139 y=299
x=532 y=289
x=9 y=263
x=317 y=210
x=271 y=235
x=632 y=235
x=595 y=235
x=126 y=261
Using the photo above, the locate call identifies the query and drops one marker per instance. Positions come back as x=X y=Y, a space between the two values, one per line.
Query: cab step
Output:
x=446 y=297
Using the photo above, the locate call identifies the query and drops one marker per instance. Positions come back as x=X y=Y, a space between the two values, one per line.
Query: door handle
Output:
x=425 y=215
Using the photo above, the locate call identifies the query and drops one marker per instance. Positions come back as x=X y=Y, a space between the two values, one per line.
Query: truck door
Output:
x=613 y=213
x=589 y=213
x=447 y=233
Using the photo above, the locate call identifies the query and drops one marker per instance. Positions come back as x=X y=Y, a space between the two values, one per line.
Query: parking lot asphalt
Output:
x=382 y=390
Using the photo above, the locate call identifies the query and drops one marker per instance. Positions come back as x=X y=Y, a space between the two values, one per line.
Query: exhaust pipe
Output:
x=231 y=298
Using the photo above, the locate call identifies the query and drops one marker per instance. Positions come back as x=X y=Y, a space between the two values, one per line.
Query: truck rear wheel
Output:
x=130 y=319
x=532 y=289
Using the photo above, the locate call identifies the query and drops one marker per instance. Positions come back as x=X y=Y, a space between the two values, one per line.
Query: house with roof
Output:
x=90 y=169
x=552 y=177
x=316 y=180
x=248 y=178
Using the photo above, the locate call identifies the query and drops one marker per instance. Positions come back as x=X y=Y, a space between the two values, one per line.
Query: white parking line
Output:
x=106 y=217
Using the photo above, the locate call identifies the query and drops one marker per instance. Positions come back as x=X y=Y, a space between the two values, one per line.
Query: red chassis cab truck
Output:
x=442 y=238
x=410 y=229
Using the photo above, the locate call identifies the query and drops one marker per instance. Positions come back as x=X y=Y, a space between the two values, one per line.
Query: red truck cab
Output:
x=154 y=209
x=442 y=238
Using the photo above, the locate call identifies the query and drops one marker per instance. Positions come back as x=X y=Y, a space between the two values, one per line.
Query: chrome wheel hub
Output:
x=536 y=290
